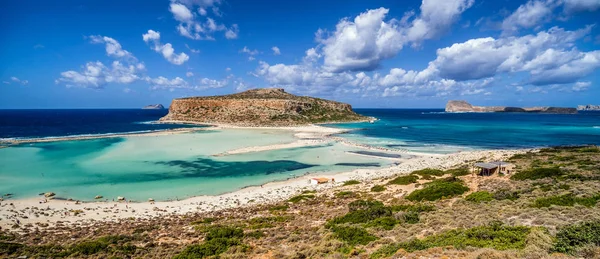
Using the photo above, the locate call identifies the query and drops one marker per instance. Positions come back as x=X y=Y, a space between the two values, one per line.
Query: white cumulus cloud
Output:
x=165 y=49
x=276 y=50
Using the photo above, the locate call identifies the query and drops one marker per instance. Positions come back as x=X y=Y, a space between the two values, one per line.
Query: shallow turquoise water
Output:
x=164 y=167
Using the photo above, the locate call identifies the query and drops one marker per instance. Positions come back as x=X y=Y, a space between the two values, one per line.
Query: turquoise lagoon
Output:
x=166 y=167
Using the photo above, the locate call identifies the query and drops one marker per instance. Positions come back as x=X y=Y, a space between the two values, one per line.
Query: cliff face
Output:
x=463 y=106
x=260 y=107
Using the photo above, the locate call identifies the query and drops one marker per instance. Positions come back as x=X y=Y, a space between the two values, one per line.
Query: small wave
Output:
x=147 y=122
x=433 y=112
x=80 y=135
x=404 y=127
x=596 y=127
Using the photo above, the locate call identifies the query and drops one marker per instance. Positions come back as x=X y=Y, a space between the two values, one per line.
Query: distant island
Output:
x=154 y=107
x=260 y=107
x=463 y=106
x=588 y=107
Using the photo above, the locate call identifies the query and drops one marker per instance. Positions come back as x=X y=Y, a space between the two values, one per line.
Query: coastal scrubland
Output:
x=549 y=208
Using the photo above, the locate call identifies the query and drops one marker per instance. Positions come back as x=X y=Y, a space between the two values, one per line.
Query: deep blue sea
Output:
x=399 y=128
x=395 y=128
x=63 y=122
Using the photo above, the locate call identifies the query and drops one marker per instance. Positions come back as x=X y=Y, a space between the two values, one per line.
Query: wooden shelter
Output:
x=486 y=169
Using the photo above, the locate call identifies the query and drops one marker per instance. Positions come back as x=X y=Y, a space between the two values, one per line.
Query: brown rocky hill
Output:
x=463 y=106
x=260 y=107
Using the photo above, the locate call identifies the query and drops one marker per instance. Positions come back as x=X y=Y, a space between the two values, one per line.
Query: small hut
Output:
x=486 y=169
x=320 y=180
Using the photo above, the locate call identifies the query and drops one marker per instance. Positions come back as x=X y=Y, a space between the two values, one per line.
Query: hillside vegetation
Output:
x=548 y=209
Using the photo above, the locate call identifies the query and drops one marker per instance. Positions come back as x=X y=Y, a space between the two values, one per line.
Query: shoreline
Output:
x=32 y=213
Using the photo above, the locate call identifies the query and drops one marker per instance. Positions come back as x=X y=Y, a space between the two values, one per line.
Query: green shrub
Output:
x=118 y=242
x=564 y=187
x=301 y=197
x=404 y=180
x=7 y=237
x=458 y=171
x=411 y=217
x=386 y=223
x=428 y=173
x=566 y=200
x=89 y=247
x=279 y=208
x=224 y=232
x=418 y=207
x=437 y=190
x=378 y=188
x=351 y=182
x=7 y=248
x=494 y=235
x=218 y=240
x=255 y=234
x=204 y=221
x=266 y=222
x=362 y=212
x=480 y=196
x=505 y=194
x=353 y=235
x=537 y=173
x=591 y=149
x=364 y=205
x=209 y=248
x=345 y=194
x=570 y=238
x=527 y=155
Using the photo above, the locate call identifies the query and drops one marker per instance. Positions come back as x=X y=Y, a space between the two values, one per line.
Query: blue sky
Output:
x=396 y=54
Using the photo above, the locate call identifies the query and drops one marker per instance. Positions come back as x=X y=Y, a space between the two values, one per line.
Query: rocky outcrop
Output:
x=463 y=106
x=260 y=107
x=154 y=107
x=588 y=107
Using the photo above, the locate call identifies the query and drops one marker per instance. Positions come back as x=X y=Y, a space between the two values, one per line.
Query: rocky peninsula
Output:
x=260 y=107
x=153 y=107
x=588 y=107
x=463 y=106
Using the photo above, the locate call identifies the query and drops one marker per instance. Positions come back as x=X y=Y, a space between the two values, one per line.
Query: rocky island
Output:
x=463 y=106
x=260 y=107
x=153 y=107
x=588 y=107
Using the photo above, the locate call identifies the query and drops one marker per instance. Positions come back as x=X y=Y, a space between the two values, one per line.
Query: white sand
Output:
x=32 y=211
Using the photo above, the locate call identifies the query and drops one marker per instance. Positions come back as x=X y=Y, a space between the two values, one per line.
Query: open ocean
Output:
x=183 y=165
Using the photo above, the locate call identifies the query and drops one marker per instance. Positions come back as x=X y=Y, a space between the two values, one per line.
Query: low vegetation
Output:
x=572 y=238
x=495 y=235
x=351 y=182
x=481 y=196
x=301 y=197
x=218 y=240
x=566 y=200
x=378 y=188
x=537 y=173
x=547 y=209
x=439 y=189
x=428 y=173
x=404 y=180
